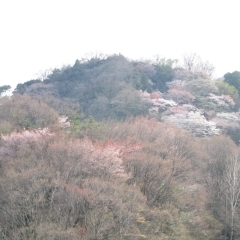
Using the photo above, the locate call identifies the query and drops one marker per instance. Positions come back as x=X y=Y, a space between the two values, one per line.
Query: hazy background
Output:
x=38 y=35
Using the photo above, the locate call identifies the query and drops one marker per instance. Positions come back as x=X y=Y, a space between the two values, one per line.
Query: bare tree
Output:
x=232 y=187
x=43 y=74
x=193 y=63
x=223 y=182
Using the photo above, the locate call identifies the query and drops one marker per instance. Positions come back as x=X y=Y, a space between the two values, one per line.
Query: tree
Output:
x=164 y=73
x=201 y=88
x=193 y=63
x=233 y=79
x=227 y=89
x=22 y=87
x=22 y=111
x=43 y=74
x=4 y=88
x=128 y=103
x=112 y=210
x=223 y=174
x=232 y=187
x=160 y=164
x=179 y=93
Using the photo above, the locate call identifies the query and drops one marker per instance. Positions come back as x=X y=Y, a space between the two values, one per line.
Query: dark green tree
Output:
x=4 y=88
x=227 y=89
x=164 y=73
x=233 y=79
x=22 y=87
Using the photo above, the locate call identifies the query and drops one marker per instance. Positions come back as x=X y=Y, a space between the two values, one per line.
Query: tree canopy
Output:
x=233 y=79
x=4 y=88
x=111 y=148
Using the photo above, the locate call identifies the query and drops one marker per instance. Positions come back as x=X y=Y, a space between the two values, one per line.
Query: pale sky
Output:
x=41 y=34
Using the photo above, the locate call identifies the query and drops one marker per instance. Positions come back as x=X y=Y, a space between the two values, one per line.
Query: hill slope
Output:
x=117 y=88
x=115 y=149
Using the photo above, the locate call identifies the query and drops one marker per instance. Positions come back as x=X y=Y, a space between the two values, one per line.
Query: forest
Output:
x=114 y=148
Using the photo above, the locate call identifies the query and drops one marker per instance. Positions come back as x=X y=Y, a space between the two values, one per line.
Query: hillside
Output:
x=111 y=148
x=113 y=87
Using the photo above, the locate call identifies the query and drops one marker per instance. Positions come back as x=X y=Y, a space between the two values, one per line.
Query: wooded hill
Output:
x=111 y=148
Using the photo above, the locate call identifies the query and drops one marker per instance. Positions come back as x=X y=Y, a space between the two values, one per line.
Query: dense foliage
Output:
x=4 y=89
x=116 y=149
x=138 y=179
x=23 y=112
x=104 y=87
x=233 y=79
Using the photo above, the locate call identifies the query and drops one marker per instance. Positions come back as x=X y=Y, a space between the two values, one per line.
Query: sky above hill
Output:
x=40 y=34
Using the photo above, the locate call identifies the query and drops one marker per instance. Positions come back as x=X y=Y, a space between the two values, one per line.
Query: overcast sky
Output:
x=42 y=34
